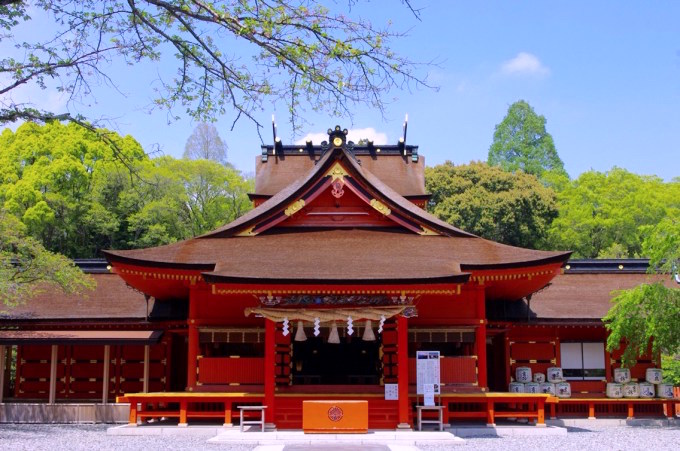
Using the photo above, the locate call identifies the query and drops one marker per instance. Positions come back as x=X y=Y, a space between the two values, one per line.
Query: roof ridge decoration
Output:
x=338 y=169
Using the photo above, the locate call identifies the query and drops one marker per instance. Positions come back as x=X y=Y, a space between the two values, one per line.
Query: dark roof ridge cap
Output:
x=86 y=265
x=607 y=265
x=609 y=260
x=92 y=265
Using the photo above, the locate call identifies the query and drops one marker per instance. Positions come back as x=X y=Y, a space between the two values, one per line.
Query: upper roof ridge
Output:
x=290 y=199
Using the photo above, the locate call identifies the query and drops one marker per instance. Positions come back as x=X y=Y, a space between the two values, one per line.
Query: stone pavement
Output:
x=332 y=447
x=381 y=440
x=374 y=440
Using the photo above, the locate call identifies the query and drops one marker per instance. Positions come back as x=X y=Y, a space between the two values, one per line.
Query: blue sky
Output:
x=606 y=75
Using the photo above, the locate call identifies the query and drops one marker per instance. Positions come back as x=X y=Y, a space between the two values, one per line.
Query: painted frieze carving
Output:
x=337 y=191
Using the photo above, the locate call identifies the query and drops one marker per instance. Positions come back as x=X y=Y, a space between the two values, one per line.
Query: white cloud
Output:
x=524 y=64
x=354 y=134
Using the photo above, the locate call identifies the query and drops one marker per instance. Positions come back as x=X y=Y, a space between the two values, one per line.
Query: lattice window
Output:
x=449 y=342
x=231 y=342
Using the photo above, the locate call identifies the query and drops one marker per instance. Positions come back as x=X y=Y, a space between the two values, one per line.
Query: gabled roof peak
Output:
x=337 y=163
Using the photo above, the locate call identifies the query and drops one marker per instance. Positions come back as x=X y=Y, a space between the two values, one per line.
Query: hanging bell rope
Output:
x=326 y=315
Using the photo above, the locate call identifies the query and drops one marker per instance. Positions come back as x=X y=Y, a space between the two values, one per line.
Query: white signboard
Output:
x=427 y=370
x=428 y=397
x=391 y=392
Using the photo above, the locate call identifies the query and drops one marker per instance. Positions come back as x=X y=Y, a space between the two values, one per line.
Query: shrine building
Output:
x=327 y=289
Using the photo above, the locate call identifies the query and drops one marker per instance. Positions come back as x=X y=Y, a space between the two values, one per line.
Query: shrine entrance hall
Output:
x=350 y=361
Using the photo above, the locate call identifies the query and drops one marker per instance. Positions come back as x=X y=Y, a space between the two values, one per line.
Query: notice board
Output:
x=427 y=371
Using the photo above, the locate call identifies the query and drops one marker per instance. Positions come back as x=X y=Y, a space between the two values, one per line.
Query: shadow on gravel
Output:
x=482 y=437
x=575 y=429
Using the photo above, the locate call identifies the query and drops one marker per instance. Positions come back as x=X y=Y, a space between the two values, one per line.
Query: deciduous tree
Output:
x=51 y=178
x=205 y=143
x=184 y=199
x=229 y=57
x=63 y=184
x=649 y=314
x=605 y=214
x=513 y=208
x=27 y=268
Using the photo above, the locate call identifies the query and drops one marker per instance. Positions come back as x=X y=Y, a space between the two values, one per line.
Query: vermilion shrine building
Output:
x=338 y=238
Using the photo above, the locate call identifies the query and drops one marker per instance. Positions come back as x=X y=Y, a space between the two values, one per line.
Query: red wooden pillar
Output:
x=183 y=404
x=269 y=369
x=133 y=413
x=591 y=410
x=558 y=354
x=402 y=371
x=608 y=370
x=480 y=339
x=192 y=361
x=540 y=421
x=490 y=413
x=192 y=366
x=508 y=375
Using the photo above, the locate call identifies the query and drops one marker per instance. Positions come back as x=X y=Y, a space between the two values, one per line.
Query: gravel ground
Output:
x=581 y=439
x=76 y=437
x=93 y=437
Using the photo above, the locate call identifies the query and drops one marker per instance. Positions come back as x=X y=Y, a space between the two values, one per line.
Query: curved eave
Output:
x=516 y=283
x=161 y=280
x=435 y=280
x=114 y=257
x=561 y=258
